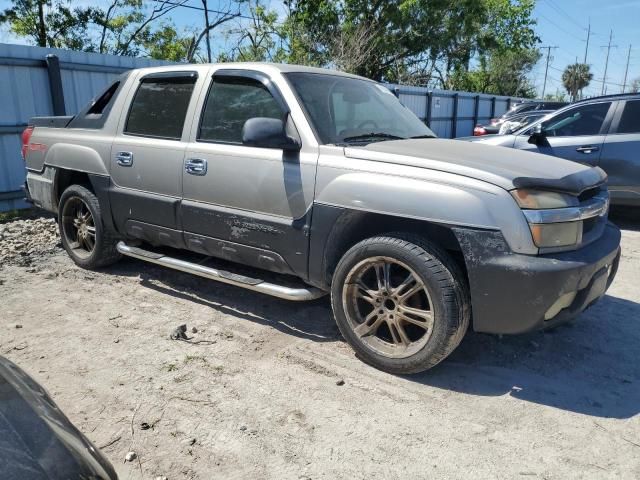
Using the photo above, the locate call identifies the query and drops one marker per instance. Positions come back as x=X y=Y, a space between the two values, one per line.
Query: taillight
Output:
x=26 y=137
x=479 y=131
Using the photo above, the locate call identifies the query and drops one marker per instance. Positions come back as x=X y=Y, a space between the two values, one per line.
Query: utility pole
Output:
x=606 y=63
x=546 y=70
x=586 y=50
x=626 y=71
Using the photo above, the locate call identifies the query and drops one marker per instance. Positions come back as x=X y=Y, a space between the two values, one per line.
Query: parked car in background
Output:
x=522 y=120
x=38 y=442
x=602 y=131
x=511 y=124
x=529 y=106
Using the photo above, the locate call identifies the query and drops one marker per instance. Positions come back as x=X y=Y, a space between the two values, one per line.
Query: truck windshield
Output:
x=346 y=110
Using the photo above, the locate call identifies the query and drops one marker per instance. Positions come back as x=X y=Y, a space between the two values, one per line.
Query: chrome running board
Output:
x=255 y=284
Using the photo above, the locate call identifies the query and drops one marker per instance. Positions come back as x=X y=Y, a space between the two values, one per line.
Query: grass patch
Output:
x=10 y=215
x=194 y=358
x=24 y=213
x=170 y=367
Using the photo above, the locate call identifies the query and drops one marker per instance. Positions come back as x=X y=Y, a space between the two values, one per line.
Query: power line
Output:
x=562 y=29
x=563 y=12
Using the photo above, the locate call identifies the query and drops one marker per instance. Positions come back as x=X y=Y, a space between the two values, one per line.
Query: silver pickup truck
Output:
x=324 y=182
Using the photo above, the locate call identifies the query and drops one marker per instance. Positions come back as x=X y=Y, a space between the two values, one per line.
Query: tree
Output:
x=414 y=40
x=212 y=20
x=121 y=27
x=575 y=78
x=500 y=72
x=257 y=40
x=635 y=86
x=126 y=26
x=556 y=97
x=49 y=23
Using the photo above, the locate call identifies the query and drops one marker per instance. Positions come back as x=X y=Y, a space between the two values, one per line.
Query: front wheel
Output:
x=401 y=302
x=84 y=236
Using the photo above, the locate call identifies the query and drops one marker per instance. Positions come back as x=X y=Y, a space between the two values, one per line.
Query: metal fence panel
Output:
x=25 y=92
x=449 y=113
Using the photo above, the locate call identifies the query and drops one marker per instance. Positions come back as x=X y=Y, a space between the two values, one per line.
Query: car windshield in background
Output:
x=349 y=110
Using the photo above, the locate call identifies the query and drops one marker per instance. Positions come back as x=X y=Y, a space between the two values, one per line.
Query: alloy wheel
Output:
x=388 y=307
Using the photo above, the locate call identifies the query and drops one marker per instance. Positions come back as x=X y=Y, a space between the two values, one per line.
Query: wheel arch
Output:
x=335 y=230
x=97 y=184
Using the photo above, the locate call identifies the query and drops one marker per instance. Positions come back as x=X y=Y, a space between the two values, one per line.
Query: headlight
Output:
x=539 y=199
x=540 y=208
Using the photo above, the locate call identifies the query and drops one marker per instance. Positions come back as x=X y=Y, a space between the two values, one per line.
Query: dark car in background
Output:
x=37 y=440
x=602 y=131
x=529 y=106
x=511 y=124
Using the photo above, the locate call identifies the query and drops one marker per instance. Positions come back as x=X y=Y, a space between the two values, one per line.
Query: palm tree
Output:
x=576 y=77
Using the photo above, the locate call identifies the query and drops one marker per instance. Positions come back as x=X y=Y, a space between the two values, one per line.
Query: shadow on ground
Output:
x=310 y=320
x=589 y=367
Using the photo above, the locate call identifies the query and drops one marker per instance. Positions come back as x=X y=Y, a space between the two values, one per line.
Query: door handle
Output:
x=124 y=159
x=196 y=166
x=587 y=149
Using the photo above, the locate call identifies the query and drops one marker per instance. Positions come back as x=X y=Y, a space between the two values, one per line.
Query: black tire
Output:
x=74 y=200
x=446 y=296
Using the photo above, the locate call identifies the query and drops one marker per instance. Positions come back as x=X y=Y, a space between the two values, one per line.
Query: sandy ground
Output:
x=258 y=393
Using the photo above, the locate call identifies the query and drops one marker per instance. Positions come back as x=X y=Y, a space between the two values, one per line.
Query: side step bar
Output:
x=255 y=284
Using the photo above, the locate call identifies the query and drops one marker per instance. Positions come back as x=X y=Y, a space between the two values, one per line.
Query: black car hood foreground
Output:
x=37 y=441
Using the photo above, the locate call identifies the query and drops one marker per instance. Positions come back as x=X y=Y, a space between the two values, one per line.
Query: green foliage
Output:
x=258 y=41
x=501 y=72
x=49 y=23
x=120 y=27
x=575 y=78
x=556 y=97
x=414 y=41
x=481 y=45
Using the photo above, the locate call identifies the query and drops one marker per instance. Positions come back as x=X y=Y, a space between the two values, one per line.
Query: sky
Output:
x=561 y=23
x=564 y=24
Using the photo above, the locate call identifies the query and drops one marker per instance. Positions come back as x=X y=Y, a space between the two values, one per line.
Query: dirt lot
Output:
x=258 y=392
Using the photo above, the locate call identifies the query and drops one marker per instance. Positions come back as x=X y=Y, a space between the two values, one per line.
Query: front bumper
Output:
x=513 y=293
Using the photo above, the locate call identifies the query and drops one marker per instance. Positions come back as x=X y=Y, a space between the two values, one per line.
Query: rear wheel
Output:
x=401 y=302
x=84 y=236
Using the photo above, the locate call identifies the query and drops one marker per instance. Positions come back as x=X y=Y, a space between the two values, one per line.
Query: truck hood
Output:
x=504 y=167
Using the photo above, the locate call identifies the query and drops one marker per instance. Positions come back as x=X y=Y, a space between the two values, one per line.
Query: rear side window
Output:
x=630 y=121
x=105 y=99
x=230 y=103
x=160 y=106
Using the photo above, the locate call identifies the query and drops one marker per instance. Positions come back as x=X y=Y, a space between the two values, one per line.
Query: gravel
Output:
x=24 y=240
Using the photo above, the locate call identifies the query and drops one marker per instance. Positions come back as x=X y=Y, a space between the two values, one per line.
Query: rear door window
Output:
x=159 y=107
x=630 y=120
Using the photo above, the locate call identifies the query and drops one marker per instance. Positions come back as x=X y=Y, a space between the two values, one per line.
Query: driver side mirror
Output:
x=537 y=136
x=265 y=132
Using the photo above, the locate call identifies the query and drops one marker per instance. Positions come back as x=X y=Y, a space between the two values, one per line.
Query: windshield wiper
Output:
x=422 y=136
x=373 y=135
